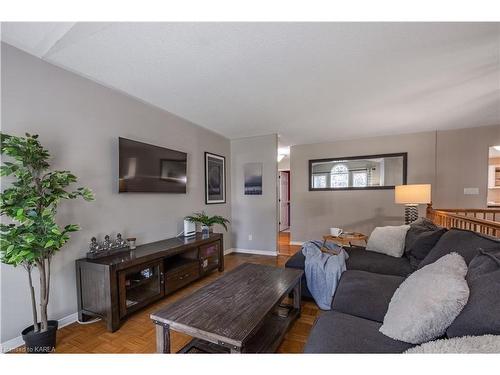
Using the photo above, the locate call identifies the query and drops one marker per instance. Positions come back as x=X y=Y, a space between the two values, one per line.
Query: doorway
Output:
x=284 y=212
x=493 y=197
x=284 y=201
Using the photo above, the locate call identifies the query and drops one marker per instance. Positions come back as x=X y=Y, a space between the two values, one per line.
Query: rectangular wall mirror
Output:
x=358 y=172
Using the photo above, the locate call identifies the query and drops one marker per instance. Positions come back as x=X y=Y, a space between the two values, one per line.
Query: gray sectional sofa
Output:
x=366 y=288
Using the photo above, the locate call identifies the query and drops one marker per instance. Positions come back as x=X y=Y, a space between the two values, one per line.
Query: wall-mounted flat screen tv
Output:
x=152 y=169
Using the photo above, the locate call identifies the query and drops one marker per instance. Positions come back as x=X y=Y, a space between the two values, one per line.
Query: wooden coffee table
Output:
x=242 y=311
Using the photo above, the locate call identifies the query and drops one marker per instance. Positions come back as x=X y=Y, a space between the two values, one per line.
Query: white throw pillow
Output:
x=464 y=344
x=428 y=301
x=388 y=240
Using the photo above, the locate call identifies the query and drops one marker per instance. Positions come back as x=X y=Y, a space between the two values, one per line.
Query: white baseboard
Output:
x=228 y=251
x=18 y=341
x=299 y=243
x=9 y=345
x=67 y=320
x=254 y=252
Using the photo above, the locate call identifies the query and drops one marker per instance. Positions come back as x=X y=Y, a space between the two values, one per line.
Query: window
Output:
x=319 y=182
x=359 y=179
x=339 y=177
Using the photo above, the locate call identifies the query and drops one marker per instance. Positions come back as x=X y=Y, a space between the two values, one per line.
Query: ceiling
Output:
x=308 y=82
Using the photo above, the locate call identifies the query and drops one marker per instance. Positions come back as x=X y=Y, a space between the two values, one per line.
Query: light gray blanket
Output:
x=323 y=271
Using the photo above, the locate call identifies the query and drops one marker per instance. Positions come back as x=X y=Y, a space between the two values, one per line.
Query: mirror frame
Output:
x=386 y=187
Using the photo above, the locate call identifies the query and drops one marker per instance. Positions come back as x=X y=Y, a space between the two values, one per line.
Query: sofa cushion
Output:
x=428 y=301
x=362 y=260
x=464 y=242
x=359 y=259
x=419 y=226
x=422 y=245
x=365 y=294
x=388 y=240
x=481 y=314
x=484 y=263
x=335 y=332
x=297 y=261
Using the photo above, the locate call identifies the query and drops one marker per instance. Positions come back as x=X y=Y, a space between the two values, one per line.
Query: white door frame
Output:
x=284 y=200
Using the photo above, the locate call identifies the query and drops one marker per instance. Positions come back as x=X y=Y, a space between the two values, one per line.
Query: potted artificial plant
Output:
x=32 y=236
x=207 y=222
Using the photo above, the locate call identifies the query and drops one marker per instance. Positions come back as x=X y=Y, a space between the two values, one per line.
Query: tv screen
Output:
x=148 y=168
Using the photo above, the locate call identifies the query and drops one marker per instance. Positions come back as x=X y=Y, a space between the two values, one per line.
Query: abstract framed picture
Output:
x=253 y=178
x=215 y=178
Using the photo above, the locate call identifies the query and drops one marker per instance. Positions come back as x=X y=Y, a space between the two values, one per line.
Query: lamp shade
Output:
x=413 y=194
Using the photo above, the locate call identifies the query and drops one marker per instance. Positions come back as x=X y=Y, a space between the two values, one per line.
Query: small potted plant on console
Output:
x=207 y=222
x=32 y=237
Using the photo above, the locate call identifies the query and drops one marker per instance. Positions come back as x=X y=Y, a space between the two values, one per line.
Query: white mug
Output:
x=335 y=232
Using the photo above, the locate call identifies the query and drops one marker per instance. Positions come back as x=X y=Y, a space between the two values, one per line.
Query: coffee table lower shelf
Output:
x=266 y=340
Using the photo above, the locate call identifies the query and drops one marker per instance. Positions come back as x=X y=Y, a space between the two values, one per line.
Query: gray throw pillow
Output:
x=464 y=242
x=422 y=245
x=428 y=301
x=418 y=227
x=481 y=315
x=388 y=240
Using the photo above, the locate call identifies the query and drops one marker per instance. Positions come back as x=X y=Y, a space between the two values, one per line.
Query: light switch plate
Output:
x=471 y=191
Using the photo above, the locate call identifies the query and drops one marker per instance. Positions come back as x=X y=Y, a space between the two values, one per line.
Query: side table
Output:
x=345 y=239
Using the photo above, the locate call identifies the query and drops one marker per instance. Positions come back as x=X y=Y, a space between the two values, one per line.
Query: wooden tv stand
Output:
x=116 y=286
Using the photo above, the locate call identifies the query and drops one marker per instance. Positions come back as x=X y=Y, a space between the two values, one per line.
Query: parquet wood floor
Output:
x=137 y=334
x=284 y=245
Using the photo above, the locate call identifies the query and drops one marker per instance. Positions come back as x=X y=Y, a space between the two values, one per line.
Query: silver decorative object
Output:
x=107 y=247
x=94 y=245
x=107 y=244
x=120 y=242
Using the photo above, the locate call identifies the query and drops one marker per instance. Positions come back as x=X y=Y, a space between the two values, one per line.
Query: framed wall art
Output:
x=253 y=178
x=215 y=178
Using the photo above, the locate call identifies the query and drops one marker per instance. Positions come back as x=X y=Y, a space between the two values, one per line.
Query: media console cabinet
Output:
x=115 y=286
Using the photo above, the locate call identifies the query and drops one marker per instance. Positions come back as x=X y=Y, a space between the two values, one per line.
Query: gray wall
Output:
x=254 y=215
x=462 y=162
x=79 y=121
x=450 y=160
x=314 y=212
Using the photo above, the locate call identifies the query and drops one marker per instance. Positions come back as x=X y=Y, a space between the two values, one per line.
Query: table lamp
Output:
x=411 y=196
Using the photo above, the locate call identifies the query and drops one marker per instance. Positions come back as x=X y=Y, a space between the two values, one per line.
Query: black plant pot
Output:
x=41 y=342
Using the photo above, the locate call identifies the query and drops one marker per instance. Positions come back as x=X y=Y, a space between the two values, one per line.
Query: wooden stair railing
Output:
x=478 y=220
x=490 y=214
